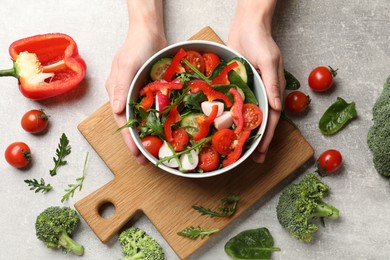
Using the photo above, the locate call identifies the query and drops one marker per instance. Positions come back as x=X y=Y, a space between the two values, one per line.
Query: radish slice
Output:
x=162 y=101
x=165 y=151
x=189 y=161
x=207 y=107
x=224 y=121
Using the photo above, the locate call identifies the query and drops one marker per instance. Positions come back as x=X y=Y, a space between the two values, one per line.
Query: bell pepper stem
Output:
x=8 y=72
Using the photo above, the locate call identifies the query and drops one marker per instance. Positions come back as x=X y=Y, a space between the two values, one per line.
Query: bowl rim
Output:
x=152 y=159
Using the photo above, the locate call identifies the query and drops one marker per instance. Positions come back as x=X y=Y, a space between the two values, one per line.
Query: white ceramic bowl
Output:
x=141 y=78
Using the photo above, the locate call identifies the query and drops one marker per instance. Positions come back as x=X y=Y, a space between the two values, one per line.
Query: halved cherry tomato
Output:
x=208 y=159
x=180 y=139
x=297 y=101
x=223 y=140
x=253 y=117
x=175 y=66
x=321 y=78
x=239 y=146
x=34 y=121
x=329 y=162
x=211 y=60
x=196 y=59
x=18 y=154
x=152 y=144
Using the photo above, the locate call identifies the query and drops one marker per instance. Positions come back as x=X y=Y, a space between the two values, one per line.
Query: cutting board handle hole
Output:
x=106 y=210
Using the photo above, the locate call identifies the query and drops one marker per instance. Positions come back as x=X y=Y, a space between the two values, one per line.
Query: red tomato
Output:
x=223 y=140
x=211 y=61
x=329 y=162
x=321 y=78
x=208 y=159
x=297 y=101
x=18 y=154
x=180 y=139
x=252 y=116
x=152 y=144
x=34 y=121
x=196 y=59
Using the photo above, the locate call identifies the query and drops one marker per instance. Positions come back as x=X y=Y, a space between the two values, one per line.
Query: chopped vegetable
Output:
x=55 y=225
x=237 y=110
x=136 y=244
x=337 y=116
x=238 y=148
x=63 y=150
x=175 y=66
x=194 y=233
x=251 y=244
x=299 y=204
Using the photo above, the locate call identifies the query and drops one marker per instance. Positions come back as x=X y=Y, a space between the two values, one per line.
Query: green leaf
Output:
x=194 y=233
x=251 y=244
x=235 y=79
x=193 y=101
x=63 y=150
x=38 y=187
x=227 y=208
x=291 y=82
x=337 y=116
x=69 y=192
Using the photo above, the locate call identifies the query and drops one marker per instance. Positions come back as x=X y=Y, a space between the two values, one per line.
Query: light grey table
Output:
x=350 y=35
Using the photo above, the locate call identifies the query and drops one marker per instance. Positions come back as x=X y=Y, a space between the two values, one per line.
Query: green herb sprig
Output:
x=194 y=233
x=227 y=208
x=63 y=150
x=69 y=192
x=38 y=186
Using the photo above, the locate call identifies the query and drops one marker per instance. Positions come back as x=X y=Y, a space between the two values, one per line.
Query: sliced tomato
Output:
x=253 y=117
x=211 y=60
x=196 y=59
x=152 y=144
x=208 y=159
x=180 y=139
x=223 y=141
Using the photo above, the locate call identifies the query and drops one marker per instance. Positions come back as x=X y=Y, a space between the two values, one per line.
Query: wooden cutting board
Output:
x=167 y=199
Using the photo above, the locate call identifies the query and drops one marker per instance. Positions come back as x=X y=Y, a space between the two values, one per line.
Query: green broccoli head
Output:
x=378 y=140
x=136 y=244
x=54 y=227
x=383 y=99
x=302 y=202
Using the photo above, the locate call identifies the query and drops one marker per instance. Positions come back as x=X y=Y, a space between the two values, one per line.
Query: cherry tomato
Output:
x=329 y=162
x=18 y=154
x=196 y=60
x=321 y=78
x=223 y=141
x=180 y=139
x=211 y=61
x=208 y=159
x=34 y=121
x=297 y=101
x=152 y=144
x=252 y=116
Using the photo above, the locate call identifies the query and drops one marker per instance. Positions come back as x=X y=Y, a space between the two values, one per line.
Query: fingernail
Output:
x=117 y=106
x=277 y=103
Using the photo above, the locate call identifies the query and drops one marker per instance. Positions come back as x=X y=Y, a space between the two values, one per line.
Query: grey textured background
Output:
x=351 y=35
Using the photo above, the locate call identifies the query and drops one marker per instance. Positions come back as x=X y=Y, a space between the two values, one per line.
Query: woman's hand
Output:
x=143 y=40
x=252 y=38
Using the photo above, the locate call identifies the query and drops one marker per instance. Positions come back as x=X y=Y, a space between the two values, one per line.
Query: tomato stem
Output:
x=333 y=71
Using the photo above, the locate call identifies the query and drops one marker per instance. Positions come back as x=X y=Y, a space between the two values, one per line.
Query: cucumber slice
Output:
x=190 y=124
x=158 y=69
x=244 y=70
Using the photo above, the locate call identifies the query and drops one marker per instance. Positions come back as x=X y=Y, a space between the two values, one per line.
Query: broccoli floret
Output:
x=54 y=227
x=136 y=244
x=378 y=140
x=300 y=203
x=383 y=99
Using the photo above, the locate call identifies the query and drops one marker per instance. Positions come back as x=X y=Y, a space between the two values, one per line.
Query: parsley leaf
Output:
x=194 y=233
x=62 y=151
x=38 y=187
x=73 y=187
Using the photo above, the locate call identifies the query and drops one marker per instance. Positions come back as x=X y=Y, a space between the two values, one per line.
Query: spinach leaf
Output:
x=193 y=101
x=339 y=114
x=291 y=82
x=235 y=79
x=251 y=244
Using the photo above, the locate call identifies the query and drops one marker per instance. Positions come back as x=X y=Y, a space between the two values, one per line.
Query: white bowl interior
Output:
x=142 y=77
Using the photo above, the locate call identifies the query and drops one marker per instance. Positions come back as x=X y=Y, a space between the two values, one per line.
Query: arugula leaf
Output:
x=73 y=187
x=38 y=187
x=193 y=101
x=63 y=150
x=194 y=233
x=152 y=126
x=224 y=210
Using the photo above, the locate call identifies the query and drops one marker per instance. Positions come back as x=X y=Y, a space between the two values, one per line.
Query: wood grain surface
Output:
x=167 y=199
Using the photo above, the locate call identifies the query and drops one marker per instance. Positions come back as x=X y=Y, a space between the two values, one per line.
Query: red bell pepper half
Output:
x=223 y=77
x=172 y=118
x=236 y=153
x=46 y=65
x=236 y=110
x=204 y=124
x=175 y=66
x=211 y=94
